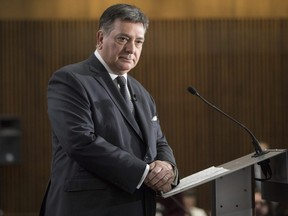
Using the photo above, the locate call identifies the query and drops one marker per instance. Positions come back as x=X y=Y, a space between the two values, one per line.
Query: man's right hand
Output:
x=160 y=176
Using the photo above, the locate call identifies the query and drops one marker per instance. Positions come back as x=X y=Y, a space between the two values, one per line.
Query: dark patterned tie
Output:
x=122 y=83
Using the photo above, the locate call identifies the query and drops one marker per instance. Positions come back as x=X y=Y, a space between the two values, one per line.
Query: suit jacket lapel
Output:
x=103 y=77
x=140 y=112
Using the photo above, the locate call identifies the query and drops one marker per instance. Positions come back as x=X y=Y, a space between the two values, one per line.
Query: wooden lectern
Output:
x=233 y=190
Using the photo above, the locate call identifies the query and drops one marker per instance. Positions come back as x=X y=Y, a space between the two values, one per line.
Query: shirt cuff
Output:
x=175 y=182
x=143 y=176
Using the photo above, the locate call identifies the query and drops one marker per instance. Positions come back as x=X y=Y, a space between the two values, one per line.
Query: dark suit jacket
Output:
x=99 y=149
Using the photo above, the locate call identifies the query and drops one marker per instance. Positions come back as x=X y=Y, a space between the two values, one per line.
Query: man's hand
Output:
x=160 y=176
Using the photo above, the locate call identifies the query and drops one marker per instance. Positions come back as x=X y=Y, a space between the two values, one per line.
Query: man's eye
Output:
x=123 y=39
x=140 y=42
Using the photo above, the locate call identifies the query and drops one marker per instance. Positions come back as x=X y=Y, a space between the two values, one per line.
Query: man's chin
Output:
x=125 y=69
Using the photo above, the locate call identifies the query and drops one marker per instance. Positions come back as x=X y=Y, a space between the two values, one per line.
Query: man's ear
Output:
x=99 y=37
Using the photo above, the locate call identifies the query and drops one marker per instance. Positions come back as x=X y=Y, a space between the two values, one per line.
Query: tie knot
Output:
x=121 y=80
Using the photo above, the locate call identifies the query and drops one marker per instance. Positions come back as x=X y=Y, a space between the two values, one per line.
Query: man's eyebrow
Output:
x=127 y=35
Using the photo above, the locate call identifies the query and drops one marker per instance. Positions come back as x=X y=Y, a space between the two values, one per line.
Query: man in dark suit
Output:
x=110 y=157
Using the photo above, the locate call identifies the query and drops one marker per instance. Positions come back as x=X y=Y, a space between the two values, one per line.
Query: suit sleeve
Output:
x=165 y=153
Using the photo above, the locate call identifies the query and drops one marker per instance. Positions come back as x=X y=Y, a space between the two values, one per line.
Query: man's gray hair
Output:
x=123 y=12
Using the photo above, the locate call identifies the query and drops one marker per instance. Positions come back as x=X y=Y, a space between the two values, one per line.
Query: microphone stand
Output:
x=258 y=150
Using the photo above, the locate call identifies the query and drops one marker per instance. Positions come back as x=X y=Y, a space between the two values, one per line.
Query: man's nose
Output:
x=130 y=47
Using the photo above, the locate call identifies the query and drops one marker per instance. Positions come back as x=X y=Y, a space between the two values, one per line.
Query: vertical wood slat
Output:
x=239 y=65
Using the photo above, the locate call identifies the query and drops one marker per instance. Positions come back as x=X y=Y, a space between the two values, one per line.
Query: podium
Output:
x=233 y=183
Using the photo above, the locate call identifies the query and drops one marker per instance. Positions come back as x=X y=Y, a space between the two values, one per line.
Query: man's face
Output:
x=121 y=48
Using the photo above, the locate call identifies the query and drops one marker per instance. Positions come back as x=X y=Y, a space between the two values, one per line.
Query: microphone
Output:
x=258 y=150
x=134 y=98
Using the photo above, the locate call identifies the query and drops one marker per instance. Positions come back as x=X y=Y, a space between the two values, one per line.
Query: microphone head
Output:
x=192 y=90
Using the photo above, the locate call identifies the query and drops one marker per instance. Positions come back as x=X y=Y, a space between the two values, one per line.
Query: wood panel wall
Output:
x=239 y=65
x=170 y=9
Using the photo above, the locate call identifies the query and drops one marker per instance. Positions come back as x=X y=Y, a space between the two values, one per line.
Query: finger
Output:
x=161 y=177
x=165 y=184
x=165 y=165
x=158 y=169
x=152 y=165
x=166 y=188
x=168 y=185
x=163 y=188
x=152 y=174
x=155 y=177
x=167 y=179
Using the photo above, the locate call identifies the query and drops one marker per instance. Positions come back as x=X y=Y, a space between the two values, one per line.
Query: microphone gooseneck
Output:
x=258 y=150
x=255 y=142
